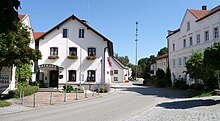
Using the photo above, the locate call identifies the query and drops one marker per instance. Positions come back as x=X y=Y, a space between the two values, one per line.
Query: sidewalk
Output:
x=45 y=99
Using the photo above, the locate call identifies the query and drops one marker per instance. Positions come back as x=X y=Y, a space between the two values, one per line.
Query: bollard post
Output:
x=64 y=96
x=86 y=93
x=34 y=100
x=50 y=98
x=22 y=97
x=93 y=92
x=76 y=93
x=98 y=89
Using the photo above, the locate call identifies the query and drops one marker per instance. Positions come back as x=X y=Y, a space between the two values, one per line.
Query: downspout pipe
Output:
x=104 y=63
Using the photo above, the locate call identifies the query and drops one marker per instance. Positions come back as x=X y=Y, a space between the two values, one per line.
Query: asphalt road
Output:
x=124 y=103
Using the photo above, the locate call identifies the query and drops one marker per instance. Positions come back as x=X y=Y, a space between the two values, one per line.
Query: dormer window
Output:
x=188 y=26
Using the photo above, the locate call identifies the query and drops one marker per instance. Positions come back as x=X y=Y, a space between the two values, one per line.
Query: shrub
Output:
x=102 y=88
x=33 y=83
x=160 y=73
x=161 y=83
x=180 y=84
x=29 y=90
x=197 y=86
x=68 y=88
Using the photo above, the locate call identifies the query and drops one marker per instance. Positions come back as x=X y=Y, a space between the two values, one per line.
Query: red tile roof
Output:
x=199 y=13
x=37 y=35
x=22 y=16
x=162 y=56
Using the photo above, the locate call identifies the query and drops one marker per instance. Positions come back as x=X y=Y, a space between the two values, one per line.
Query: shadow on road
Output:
x=188 y=104
x=160 y=92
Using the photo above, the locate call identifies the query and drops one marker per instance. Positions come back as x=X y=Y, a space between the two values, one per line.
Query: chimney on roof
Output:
x=84 y=21
x=204 y=7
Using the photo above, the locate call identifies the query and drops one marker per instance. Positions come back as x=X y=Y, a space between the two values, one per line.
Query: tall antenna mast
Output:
x=136 y=50
x=88 y=10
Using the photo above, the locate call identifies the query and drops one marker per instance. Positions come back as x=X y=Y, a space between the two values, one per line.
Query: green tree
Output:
x=15 y=49
x=23 y=73
x=194 y=66
x=167 y=77
x=162 y=51
x=144 y=64
x=123 y=59
x=198 y=71
x=8 y=15
x=212 y=56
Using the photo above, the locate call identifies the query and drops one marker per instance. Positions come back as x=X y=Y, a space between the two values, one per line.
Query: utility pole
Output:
x=136 y=50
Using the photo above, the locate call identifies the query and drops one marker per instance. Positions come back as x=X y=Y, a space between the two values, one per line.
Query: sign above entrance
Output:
x=51 y=66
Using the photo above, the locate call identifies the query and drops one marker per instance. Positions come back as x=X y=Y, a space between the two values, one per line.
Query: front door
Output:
x=54 y=78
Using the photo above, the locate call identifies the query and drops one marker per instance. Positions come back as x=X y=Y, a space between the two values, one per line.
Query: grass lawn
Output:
x=4 y=103
x=199 y=93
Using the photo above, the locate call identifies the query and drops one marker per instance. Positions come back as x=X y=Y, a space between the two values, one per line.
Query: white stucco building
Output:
x=7 y=78
x=74 y=53
x=161 y=62
x=119 y=73
x=199 y=29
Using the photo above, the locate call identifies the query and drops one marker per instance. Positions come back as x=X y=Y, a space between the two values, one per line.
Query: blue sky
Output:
x=115 y=19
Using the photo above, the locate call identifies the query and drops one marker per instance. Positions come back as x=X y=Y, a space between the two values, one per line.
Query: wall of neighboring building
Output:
x=178 y=56
x=162 y=64
x=117 y=77
x=81 y=65
x=153 y=68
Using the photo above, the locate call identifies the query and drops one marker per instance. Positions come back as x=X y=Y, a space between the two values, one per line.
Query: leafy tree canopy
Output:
x=15 y=49
x=144 y=64
x=162 y=51
x=212 y=56
x=8 y=15
x=123 y=59
x=194 y=66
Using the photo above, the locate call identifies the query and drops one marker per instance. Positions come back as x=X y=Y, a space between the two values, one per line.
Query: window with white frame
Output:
x=54 y=51
x=188 y=26
x=184 y=43
x=115 y=71
x=174 y=47
x=72 y=75
x=91 y=51
x=198 y=38
x=174 y=63
x=216 y=32
x=207 y=35
x=190 y=41
x=65 y=33
x=81 y=33
x=72 y=51
x=180 y=62
x=91 y=76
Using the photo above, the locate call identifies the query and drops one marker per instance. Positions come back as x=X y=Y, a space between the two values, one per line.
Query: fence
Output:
x=41 y=99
